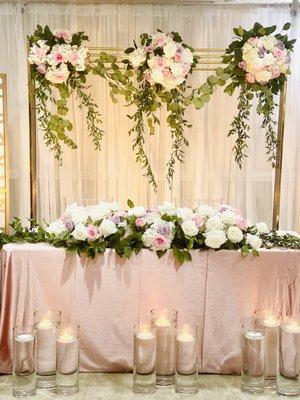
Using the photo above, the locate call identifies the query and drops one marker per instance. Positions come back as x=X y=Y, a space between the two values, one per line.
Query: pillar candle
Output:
x=23 y=351
x=271 y=326
x=145 y=351
x=254 y=346
x=290 y=350
x=186 y=363
x=165 y=352
x=46 y=347
x=67 y=349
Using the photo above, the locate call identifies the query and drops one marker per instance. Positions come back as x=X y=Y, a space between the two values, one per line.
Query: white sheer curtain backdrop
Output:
x=209 y=170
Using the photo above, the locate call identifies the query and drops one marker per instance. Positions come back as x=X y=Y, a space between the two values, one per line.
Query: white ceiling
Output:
x=156 y=1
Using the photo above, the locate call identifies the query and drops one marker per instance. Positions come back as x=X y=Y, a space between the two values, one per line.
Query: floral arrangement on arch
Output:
x=59 y=64
x=257 y=64
x=160 y=65
x=91 y=230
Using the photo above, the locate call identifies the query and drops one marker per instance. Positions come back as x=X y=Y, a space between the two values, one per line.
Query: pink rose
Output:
x=62 y=34
x=199 y=221
x=149 y=49
x=73 y=57
x=92 y=232
x=139 y=222
x=59 y=58
x=167 y=73
x=159 y=241
x=242 y=65
x=279 y=53
x=275 y=73
x=241 y=223
x=178 y=56
x=250 y=78
x=42 y=69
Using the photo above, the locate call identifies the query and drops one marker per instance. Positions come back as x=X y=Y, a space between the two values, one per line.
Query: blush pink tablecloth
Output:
x=108 y=295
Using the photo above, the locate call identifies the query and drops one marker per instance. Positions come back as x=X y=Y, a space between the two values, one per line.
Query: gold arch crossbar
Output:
x=209 y=60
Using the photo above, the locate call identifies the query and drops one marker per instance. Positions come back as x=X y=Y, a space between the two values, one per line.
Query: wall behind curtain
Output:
x=209 y=171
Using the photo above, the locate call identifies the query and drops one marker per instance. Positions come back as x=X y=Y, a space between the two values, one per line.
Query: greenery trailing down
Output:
x=240 y=126
x=256 y=63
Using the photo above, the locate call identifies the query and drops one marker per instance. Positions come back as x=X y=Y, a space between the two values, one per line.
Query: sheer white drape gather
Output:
x=209 y=171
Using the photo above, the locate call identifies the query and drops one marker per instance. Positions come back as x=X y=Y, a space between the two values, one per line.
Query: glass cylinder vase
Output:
x=253 y=358
x=165 y=322
x=186 y=374
x=144 y=355
x=67 y=359
x=24 y=353
x=288 y=380
x=270 y=321
x=46 y=323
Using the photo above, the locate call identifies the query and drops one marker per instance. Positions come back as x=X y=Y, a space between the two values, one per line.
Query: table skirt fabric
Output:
x=108 y=295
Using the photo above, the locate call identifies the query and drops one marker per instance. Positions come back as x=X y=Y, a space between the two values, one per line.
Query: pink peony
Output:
x=42 y=69
x=250 y=77
x=242 y=65
x=159 y=242
x=167 y=73
x=92 y=232
x=178 y=56
x=241 y=223
x=139 y=222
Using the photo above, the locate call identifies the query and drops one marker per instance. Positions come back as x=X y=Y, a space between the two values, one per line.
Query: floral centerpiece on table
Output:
x=59 y=65
x=91 y=230
x=257 y=64
x=159 y=65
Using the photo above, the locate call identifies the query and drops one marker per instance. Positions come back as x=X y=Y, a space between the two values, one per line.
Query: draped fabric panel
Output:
x=209 y=171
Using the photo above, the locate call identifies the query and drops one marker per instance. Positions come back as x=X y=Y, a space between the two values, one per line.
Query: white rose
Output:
x=254 y=241
x=159 y=39
x=205 y=211
x=184 y=213
x=177 y=69
x=78 y=215
x=215 y=238
x=137 y=57
x=263 y=76
x=234 y=234
x=157 y=75
x=167 y=208
x=228 y=217
x=137 y=211
x=262 y=227
x=98 y=212
x=170 y=49
x=107 y=228
x=148 y=237
x=214 y=223
x=80 y=232
x=189 y=228
x=56 y=227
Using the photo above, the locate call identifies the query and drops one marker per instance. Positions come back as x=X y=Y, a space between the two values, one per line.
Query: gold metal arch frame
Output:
x=4 y=180
x=209 y=60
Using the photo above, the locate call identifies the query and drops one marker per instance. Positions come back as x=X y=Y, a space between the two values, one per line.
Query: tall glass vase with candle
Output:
x=270 y=321
x=288 y=380
x=253 y=358
x=165 y=321
x=67 y=359
x=24 y=348
x=186 y=375
x=46 y=323
x=144 y=355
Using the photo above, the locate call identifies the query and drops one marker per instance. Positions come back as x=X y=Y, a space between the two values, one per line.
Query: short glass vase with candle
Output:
x=165 y=321
x=186 y=373
x=24 y=353
x=67 y=359
x=46 y=323
x=288 y=380
x=270 y=321
x=253 y=358
x=144 y=356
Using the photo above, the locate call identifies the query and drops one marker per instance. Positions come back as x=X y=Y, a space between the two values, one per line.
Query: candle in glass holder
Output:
x=46 y=347
x=165 y=322
x=145 y=350
x=186 y=359
x=67 y=353
x=270 y=322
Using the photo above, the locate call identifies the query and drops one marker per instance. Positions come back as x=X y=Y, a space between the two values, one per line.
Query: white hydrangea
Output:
x=137 y=57
x=78 y=214
x=170 y=49
x=148 y=237
x=137 y=211
x=167 y=208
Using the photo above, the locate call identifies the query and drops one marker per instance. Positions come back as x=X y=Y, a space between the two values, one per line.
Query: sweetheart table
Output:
x=108 y=295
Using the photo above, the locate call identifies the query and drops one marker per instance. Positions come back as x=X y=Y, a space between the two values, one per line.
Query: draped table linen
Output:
x=108 y=295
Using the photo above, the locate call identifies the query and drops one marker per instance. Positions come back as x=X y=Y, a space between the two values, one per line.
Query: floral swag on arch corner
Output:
x=155 y=76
